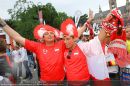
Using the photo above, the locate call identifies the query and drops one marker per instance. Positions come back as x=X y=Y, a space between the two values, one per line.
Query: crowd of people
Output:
x=14 y=61
x=70 y=59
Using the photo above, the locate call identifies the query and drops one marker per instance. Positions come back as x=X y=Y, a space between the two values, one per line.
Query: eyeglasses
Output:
x=69 y=54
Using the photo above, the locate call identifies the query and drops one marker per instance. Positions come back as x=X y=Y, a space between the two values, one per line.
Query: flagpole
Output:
x=77 y=17
x=40 y=13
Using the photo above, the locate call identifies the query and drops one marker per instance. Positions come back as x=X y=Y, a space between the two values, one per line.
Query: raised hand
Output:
x=91 y=16
x=2 y=22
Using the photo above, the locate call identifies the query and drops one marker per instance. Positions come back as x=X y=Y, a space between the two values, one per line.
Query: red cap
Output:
x=68 y=28
x=109 y=27
x=117 y=13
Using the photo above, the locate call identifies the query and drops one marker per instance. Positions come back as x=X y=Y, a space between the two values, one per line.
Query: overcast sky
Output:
x=67 y=6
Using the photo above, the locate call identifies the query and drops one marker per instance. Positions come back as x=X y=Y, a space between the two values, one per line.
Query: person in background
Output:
x=125 y=71
x=84 y=37
x=31 y=59
x=6 y=75
x=17 y=63
x=8 y=49
x=24 y=59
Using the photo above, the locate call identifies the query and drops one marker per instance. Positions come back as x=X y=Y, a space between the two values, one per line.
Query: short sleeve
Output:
x=31 y=45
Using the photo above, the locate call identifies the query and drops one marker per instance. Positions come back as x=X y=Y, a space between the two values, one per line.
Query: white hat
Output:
x=86 y=33
x=1 y=78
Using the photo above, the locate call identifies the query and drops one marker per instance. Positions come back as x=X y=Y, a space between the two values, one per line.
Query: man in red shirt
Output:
x=49 y=53
x=75 y=61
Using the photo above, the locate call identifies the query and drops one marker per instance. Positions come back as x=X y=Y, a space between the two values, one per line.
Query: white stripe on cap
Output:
x=41 y=32
x=69 y=29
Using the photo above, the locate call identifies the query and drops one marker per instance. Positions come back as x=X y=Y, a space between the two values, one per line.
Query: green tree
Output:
x=24 y=17
x=59 y=19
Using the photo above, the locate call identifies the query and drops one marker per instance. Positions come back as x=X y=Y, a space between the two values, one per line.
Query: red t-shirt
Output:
x=76 y=66
x=50 y=59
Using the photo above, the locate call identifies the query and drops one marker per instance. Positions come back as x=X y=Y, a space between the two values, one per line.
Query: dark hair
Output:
x=119 y=30
x=72 y=36
x=2 y=45
x=4 y=66
x=81 y=36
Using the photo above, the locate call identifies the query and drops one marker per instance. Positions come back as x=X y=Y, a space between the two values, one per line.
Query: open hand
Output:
x=91 y=16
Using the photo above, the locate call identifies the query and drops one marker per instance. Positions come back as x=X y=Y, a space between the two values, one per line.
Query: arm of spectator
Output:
x=12 y=33
x=87 y=24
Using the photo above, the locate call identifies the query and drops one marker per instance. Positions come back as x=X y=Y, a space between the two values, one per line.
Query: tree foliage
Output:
x=24 y=17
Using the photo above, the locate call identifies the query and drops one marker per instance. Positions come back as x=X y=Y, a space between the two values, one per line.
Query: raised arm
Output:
x=12 y=33
x=83 y=28
x=102 y=35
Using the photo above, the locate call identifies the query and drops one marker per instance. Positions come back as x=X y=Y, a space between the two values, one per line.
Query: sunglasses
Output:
x=69 y=54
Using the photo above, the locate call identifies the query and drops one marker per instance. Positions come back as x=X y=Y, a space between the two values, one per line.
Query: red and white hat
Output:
x=109 y=26
x=57 y=33
x=68 y=28
x=117 y=13
x=40 y=29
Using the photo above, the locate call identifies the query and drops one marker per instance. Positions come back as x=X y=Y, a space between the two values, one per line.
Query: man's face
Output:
x=85 y=38
x=69 y=41
x=128 y=33
x=49 y=36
